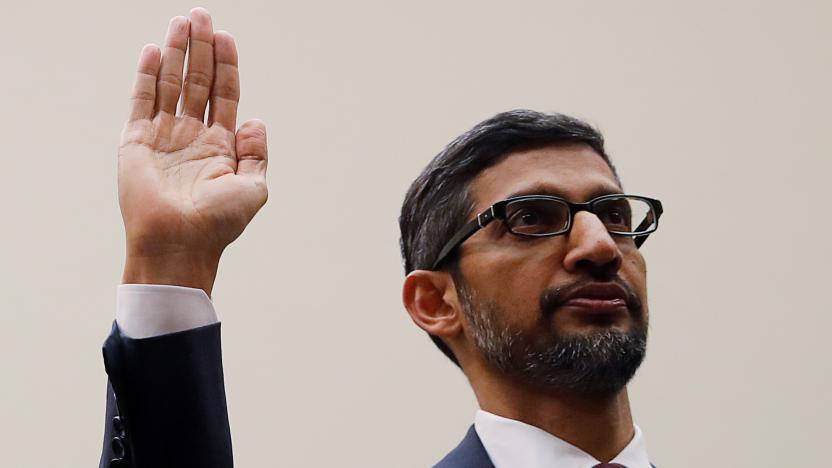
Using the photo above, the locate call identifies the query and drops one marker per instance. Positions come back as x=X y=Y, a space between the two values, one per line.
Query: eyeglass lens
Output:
x=546 y=216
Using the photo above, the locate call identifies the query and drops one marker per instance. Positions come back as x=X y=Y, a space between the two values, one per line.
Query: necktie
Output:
x=609 y=465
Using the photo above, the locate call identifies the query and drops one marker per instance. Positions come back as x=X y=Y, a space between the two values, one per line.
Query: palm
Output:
x=185 y=184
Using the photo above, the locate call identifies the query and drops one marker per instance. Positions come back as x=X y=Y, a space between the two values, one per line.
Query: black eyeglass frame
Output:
x=498 y=211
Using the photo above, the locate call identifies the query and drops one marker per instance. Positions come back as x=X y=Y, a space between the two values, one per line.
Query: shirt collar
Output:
x=512 y=443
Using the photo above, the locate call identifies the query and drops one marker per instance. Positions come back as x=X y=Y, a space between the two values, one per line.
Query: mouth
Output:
x=598 y=299
x=598 y=306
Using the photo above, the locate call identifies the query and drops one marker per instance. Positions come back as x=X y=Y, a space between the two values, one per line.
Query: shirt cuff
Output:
x=147 y=310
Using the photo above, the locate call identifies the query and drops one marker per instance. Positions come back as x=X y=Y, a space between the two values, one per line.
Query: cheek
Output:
x=516 y=286
x=634 y=272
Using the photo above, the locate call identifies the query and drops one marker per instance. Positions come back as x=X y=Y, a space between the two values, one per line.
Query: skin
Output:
x=189 y=183
x=513 y=272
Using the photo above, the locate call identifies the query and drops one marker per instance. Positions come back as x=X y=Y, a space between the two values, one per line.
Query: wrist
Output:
x=181 y=269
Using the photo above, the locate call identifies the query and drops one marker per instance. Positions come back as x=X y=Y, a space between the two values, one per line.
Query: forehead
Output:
x=575 y=172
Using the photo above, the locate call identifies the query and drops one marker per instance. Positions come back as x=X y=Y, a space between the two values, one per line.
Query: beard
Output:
x=597 y=363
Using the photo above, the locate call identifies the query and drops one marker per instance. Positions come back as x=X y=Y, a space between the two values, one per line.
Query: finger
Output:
x=143 y=97
x=225 y=93
x=169 y=84
x=200 y=73
x=252 y=152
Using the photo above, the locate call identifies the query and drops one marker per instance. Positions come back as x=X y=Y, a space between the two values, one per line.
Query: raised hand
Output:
x=187 y=188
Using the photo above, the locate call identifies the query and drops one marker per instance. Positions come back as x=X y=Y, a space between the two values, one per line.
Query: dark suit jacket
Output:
x=166 y=401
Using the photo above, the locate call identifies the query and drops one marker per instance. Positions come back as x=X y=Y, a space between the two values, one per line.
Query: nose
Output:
x=591 y=248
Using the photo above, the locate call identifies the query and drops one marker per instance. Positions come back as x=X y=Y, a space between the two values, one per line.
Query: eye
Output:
x=616 y=214
x=526 y=218
x=615 y=217
x=537 y=216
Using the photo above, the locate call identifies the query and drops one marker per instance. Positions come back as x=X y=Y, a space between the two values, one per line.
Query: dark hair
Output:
x=438 y=202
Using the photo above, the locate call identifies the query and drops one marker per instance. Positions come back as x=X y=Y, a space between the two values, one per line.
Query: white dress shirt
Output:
x=145 y=310
x=514 y=444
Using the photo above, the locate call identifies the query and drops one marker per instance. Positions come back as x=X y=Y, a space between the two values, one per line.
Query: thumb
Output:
x=252 y=152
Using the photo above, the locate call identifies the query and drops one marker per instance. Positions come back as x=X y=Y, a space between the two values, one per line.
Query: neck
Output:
x=599 y=425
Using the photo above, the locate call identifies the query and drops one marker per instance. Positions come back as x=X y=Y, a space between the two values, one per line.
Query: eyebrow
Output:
x=544 y=189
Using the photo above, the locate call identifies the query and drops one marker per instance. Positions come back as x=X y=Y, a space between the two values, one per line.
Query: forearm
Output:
x=169 y=397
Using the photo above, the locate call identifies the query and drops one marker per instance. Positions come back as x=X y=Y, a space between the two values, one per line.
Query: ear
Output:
x=431 y=300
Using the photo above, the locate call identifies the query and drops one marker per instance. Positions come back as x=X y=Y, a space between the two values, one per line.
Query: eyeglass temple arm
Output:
x=657 y=207
x=463 y=234
x=640 y=240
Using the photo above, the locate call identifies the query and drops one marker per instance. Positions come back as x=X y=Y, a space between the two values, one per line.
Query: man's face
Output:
x=524 y=307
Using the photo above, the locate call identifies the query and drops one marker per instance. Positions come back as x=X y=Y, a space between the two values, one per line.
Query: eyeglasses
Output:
x=544 y=216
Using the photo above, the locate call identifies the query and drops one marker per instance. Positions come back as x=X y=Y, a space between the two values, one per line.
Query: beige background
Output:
x=720 y=109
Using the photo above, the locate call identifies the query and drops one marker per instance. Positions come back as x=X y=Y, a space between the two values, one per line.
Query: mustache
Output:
x=554 y=298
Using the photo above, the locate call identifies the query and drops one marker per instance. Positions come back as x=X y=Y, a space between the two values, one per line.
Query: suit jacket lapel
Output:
x=470 y=453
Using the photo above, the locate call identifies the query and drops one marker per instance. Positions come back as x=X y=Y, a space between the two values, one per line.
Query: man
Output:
x=523 y=266
x=539 y=299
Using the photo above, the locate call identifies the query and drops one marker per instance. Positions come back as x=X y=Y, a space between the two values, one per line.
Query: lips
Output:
x=598 y=298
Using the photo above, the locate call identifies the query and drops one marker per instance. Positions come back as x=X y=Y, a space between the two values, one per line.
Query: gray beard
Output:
x=599 y=363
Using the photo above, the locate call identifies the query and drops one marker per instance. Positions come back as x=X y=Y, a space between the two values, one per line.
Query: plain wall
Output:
x=721 y=109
